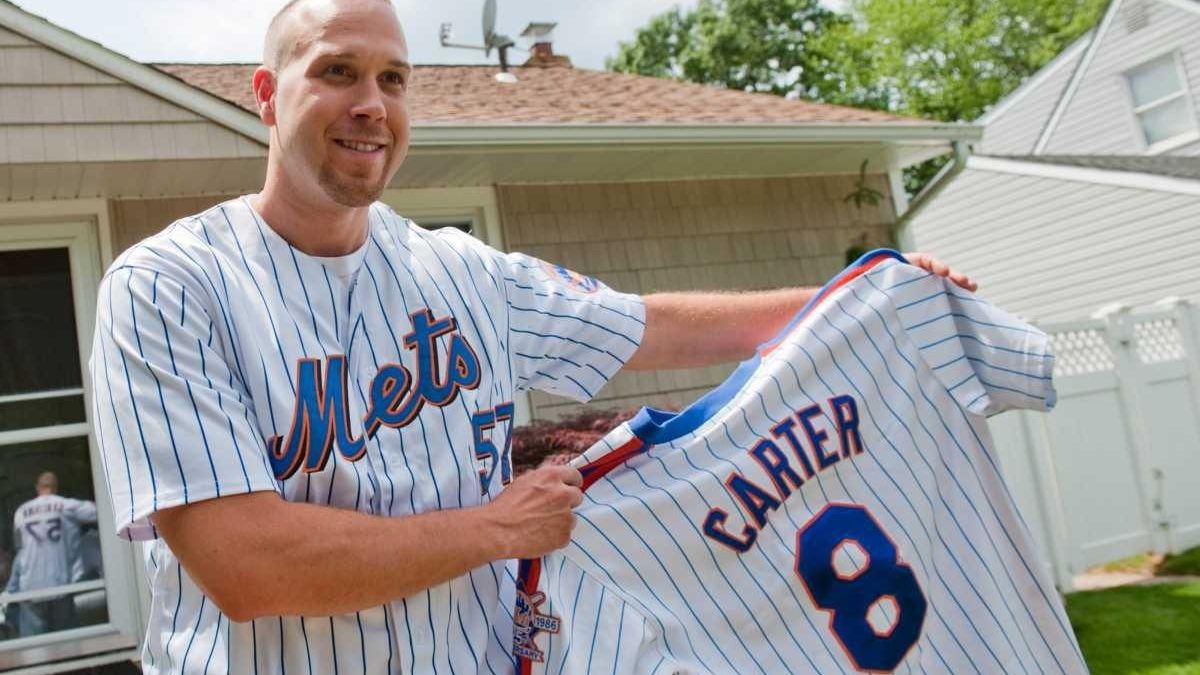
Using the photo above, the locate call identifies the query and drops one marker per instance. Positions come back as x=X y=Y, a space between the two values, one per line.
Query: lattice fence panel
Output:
x=1081 y=352
x=1158 y=341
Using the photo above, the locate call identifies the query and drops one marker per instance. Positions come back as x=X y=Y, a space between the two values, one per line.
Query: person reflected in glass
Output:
x=46 y=534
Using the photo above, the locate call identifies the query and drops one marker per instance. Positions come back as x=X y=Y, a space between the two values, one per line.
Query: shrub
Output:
x=562 y=440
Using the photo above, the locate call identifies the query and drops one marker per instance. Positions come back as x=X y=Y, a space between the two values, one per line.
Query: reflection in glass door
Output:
x=50 y=560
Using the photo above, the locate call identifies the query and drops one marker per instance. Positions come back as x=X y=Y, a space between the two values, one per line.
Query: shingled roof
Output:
x=464 y=95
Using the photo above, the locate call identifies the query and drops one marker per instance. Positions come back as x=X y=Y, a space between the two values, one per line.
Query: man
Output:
x=378 y=362
x=46 y=532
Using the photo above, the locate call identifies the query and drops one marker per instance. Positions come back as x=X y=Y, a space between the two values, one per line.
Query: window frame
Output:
x=1179 y=140
x=81 y=227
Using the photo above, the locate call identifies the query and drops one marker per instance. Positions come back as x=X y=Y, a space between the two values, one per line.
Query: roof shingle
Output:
x=471 y=95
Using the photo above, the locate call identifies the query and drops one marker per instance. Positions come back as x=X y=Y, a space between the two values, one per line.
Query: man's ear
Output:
x=264 y=94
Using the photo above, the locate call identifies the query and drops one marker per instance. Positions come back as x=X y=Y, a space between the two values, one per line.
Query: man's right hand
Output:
x=534 y=513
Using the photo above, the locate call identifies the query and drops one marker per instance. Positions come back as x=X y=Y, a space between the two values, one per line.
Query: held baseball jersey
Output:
x=834 y=507
x=46 y=530
x=226 y=362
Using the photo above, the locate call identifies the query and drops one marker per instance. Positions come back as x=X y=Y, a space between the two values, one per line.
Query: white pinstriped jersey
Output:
x=834 y=507
x=46 y=529
x=225 y=362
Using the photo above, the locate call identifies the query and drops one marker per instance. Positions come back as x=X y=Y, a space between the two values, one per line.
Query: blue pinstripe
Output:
x=574 y=318
x=916 y=481
x=700 y=580
x=935 y=410
x=516 y=284
x=912 y=541
x=116 y=419
x=939 y=453
x=679 y=591
x=620 y=630
x=287 y=366
x=782 y=620
x=592 y=647
x=601 y=566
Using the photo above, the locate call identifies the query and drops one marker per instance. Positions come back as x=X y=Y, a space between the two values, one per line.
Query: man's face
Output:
x=340 y=106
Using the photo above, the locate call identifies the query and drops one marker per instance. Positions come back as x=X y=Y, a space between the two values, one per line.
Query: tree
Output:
x=946 y=60
x=751 y=45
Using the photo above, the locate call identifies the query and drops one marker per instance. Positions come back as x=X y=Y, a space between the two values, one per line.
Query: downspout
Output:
x=962 y=153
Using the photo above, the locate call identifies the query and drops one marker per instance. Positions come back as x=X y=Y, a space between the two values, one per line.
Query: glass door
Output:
x=57 y=600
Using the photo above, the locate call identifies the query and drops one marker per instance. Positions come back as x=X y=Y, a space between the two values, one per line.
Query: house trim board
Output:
x=1036 y=80
x=1114 y=178
x=1114 y=8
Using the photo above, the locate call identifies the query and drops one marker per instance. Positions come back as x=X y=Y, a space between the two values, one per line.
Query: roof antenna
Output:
x=491 y=40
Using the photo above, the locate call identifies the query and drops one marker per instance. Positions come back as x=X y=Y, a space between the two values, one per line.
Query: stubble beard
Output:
x=350 y=192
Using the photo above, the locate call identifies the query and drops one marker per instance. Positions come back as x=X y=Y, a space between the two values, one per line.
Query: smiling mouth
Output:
x=359 y=147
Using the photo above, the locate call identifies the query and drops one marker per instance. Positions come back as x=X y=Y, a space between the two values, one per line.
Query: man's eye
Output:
x=338 y=70
x=394 y=78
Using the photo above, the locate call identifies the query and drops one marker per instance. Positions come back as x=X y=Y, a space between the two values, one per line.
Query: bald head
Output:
x=290 y=31
x=47 y=483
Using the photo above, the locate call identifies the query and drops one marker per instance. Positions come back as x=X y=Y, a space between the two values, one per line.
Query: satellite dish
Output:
x=489 y=25
x=491 y=39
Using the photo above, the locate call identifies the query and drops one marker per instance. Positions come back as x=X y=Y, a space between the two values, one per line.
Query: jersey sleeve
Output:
x=172 y=422
x=568 y=334
x=989 y=360
x=80 y=510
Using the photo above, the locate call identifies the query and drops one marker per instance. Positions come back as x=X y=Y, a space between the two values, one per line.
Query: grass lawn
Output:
x=1187 y=562
x=1140 y=630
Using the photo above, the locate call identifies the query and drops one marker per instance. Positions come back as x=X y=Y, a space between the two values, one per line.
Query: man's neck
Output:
x=316 y=227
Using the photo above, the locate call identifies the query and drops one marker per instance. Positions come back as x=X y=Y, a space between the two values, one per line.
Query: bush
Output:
x=565 y=439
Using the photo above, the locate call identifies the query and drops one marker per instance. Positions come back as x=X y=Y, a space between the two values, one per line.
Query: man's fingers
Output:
x=571 y=476
x=935 y=266
x=964 y=281
x=576 y=497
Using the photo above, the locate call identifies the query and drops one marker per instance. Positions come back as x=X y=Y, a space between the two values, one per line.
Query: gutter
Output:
x=446 y=135
x=962 y=153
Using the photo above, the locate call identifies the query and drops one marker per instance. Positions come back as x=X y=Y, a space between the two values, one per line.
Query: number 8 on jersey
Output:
x=880 y=585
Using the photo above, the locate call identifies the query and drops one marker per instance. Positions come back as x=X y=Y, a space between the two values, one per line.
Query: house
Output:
x=1085 y=190
x=647 y=184
x=1083 y=197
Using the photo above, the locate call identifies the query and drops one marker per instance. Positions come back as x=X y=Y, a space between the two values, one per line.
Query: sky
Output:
x=221 y=31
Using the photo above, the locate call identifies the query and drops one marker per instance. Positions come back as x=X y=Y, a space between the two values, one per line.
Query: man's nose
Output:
x=368 y=102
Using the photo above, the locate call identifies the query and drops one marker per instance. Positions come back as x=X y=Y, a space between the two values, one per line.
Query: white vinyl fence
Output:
x=1114 y=470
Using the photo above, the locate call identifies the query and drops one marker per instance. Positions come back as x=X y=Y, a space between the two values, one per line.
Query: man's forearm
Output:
x=257 y=555
x=304 y=559
x=690 y=330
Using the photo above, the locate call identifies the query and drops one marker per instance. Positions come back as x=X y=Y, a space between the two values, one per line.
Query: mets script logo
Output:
x=571 y=279
x=321 y=415
x=528 y=622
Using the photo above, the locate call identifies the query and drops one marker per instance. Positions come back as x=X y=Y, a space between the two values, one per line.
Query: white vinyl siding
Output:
x=1051 y=249
x=1023 y=115
x=1098 y=118
x=55 y=109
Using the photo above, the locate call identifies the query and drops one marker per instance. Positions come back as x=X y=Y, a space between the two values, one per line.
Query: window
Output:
x=49 y=540
x=465 y=224
x=1161 y=101
x=68 y=590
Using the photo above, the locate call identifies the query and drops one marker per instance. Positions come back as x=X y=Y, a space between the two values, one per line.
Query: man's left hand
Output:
x=932 y=264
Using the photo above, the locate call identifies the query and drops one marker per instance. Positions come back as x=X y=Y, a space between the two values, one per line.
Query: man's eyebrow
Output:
x=350 y=56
